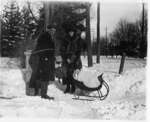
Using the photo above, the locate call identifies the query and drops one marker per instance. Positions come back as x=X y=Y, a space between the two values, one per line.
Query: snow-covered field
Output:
x=126 y=100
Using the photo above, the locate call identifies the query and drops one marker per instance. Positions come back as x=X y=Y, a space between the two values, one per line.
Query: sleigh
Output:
x=80 y=85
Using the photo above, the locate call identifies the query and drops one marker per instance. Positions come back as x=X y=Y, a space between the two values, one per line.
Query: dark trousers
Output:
x=69 y=82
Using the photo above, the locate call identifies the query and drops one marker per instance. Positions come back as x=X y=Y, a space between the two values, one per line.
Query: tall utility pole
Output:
x=142 y=22
x=98 y=33
x=0 y=35
x=106 y=42
x=88 y=36
x=140 y=42
x=106 y=33
x=142 y=32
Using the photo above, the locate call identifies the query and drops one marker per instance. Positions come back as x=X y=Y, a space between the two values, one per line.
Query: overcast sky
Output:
x=110 y=14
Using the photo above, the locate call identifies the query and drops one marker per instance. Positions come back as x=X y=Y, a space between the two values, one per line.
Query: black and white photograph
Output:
x=82 y=60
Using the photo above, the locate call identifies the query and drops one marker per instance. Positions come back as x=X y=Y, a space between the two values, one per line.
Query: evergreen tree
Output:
x=11 y=30
x=40 y=23
x=30 y=28
x=68 y=15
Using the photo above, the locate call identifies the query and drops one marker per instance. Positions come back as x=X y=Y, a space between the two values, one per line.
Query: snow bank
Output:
x=124 y=109
x=126 y=99
x=9 y=62
x=11 y=83
x=132 y=82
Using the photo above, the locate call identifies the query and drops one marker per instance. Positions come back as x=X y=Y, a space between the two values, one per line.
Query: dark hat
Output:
x=80 y=27
x=51 y=26
x=68 y=26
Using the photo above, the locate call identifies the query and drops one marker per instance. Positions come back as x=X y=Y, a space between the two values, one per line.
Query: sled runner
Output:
x=82 y=86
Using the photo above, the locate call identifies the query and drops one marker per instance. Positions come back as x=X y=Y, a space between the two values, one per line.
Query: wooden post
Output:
x=27 y=55
x=122 y=63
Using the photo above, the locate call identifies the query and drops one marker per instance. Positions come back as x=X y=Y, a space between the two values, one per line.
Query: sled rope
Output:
x=43 y=50
x=39 y=51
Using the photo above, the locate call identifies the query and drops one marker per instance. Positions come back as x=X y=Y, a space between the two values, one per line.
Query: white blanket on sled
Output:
x=87 y=76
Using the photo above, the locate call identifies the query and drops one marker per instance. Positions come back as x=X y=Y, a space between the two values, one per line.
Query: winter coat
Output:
x=42 y=60
x=71 y=49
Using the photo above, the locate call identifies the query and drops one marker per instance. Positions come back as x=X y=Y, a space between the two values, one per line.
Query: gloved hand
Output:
x=76 y=73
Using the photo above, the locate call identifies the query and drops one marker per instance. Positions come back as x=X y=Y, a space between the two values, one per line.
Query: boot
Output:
x=67 y=89
x=36 y=93
x=64 y=81
x=44 y=87
x=72 y=88
x=37 y=88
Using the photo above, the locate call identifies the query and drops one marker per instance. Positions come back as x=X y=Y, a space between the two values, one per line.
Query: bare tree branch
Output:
x=29 y=7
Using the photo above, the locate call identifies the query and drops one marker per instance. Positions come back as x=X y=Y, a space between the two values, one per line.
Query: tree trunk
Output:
x=98 y=33
x=46 y=9
x=49 y=10
x=88 y=37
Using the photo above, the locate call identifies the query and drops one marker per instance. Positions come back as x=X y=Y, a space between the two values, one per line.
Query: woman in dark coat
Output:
x=42 y=62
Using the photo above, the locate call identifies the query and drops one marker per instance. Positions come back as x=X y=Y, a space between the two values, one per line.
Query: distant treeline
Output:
x=21 y=28
x=127 y=37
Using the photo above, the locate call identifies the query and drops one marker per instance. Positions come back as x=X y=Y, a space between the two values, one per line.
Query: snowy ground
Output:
x=126 y=100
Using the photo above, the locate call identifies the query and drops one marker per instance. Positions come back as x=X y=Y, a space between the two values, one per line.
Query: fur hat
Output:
x=51 y=26
x=67 y=26
x=81 y=27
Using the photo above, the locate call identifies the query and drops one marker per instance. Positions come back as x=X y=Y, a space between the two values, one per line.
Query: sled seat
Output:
x=82 y=86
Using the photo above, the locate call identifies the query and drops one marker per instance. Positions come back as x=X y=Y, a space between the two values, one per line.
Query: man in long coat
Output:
x=42 y=62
